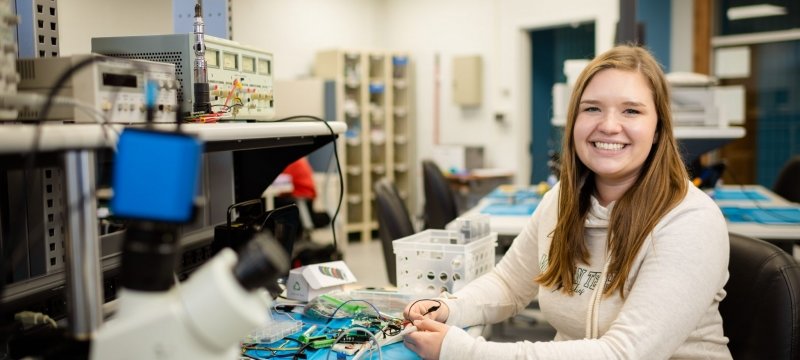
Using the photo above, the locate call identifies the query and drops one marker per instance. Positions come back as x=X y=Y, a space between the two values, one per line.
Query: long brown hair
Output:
x=661 y=185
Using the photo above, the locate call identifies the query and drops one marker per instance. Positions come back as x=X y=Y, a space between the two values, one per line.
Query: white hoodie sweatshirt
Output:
x=672 y=292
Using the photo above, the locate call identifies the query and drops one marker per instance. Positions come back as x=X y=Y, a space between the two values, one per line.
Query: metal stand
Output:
x=83 y=280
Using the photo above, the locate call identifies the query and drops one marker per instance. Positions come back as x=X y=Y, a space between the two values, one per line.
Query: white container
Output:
x=273 y=330
x=432 y=261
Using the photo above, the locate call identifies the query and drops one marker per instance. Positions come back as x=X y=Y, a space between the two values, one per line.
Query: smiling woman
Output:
x=615 y=130
x=623 y=228
x=618 y=149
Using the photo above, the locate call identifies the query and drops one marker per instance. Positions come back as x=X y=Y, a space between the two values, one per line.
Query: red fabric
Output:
x=302 y=179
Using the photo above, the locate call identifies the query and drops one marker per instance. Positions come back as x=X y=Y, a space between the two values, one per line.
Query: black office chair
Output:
x=788 y=183
x=393 y=221
x=761 y=313
x=440 y=202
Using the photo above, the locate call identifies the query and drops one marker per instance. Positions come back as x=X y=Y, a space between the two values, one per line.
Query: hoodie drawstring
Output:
x=593 y=312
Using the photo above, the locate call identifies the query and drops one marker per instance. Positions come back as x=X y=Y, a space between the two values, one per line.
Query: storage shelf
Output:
x=374 y=88
x=354 y=199
x=354 y=170
x=379 y=169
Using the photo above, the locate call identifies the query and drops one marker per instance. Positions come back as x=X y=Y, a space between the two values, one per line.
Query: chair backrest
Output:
x=761 y=312
x=393 y=221
x=787 y=185
x=440 y=203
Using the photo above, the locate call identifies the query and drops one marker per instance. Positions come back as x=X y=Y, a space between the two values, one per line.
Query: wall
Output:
x=82 y=20
x=682 y=36
x=496 y=30
x=435 y=28
x=295 y=30
x=513 y=59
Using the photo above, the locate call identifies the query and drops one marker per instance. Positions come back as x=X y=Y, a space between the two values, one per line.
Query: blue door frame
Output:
x=549 y=48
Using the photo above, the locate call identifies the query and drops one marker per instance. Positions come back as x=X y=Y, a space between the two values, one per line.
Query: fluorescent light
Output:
x=755 y=11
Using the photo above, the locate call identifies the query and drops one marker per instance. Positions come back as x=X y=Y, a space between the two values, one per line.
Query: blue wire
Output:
x=151 y=93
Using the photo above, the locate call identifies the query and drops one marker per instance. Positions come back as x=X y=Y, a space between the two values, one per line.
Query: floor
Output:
x=366 y=262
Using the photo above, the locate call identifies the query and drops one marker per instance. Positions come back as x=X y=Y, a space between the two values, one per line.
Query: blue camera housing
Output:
x=155 y=175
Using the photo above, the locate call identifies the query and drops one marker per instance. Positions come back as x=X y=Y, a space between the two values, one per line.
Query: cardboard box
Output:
x=307 y=282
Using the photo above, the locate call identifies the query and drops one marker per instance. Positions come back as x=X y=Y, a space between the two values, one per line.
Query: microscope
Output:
x=154 y=180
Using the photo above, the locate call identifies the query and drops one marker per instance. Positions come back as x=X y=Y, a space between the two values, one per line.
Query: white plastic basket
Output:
x=432 y=261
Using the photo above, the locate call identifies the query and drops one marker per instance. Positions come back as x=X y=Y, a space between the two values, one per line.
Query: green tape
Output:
x=350 y=307
x=319 y=344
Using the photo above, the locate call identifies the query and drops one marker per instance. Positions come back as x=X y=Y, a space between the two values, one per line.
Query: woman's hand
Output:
x=427 y=309
x=427 y=340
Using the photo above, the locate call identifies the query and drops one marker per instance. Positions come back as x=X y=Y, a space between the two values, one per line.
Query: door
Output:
x=550 y=47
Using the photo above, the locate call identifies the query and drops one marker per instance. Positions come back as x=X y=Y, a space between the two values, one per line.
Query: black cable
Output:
x=301 y=350
x=284 y=207
x=431 y=309
x=30 y=162
x=63 y=80
x=338 y=167
x=292 y=339
x=48 y=104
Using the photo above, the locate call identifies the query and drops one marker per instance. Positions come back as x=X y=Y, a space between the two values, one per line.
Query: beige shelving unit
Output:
x=373 y=98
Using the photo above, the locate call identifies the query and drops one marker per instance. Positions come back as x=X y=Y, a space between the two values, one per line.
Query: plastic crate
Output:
x=432 y=261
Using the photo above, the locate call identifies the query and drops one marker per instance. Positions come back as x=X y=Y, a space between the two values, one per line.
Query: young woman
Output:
x=627 y=258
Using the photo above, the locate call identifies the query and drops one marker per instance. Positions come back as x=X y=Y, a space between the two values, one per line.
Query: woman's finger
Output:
x=429 y=325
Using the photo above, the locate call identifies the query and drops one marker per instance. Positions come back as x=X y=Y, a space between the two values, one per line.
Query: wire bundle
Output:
x=218 y=115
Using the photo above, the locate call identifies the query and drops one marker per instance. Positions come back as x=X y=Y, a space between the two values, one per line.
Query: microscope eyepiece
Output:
x=261 y=262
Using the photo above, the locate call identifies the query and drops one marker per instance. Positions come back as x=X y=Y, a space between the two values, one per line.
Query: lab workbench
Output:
x=73 y=147
x=19 y=138
x=755 y=211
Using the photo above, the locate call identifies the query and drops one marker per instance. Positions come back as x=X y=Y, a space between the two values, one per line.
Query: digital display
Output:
x=120 y=80
x=264 y=67
x=212 y=58
x=230 y=61
x=248 y=64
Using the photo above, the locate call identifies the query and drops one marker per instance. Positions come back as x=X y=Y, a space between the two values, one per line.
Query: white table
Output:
x=506 y=225
x=758 y=230
x=281 y=185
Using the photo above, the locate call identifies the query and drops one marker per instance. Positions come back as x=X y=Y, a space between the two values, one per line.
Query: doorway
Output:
x=549 y=48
